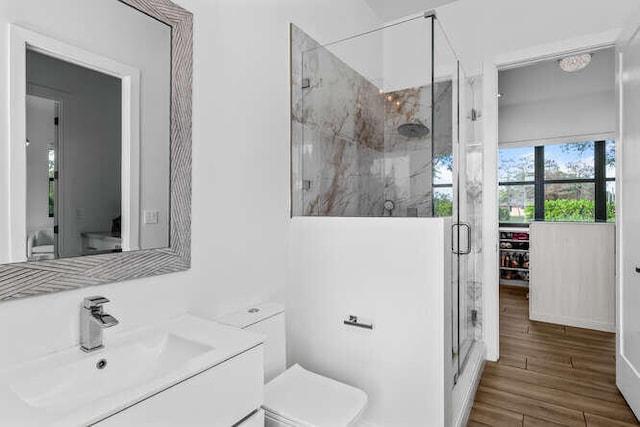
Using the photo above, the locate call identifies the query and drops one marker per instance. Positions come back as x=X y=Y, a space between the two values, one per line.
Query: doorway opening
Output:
x=42 y=153
x=557 y=210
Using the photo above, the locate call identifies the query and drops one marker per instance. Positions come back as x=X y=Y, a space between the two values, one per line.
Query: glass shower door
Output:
x=466 y=154
x=468 y=213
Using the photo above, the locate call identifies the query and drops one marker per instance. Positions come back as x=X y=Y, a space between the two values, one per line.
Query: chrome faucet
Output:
x=92 y=321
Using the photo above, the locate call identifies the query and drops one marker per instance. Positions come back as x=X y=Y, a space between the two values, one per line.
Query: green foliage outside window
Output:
x=51 y=194
x=442 y=205
x=567 y=210
x=442 y=174
x=51 y=172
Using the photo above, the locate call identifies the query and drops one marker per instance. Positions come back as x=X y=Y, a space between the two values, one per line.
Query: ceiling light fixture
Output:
x=574 y=63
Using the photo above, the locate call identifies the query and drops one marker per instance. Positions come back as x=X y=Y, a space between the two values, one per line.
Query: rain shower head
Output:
x=414 y=129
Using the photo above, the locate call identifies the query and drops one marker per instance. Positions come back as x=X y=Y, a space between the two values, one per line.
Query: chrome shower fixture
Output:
x=413 y=129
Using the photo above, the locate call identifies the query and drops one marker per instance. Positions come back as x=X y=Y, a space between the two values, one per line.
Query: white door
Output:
x=628 y=219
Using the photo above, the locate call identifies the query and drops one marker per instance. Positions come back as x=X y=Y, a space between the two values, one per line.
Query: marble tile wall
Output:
x=348 y=157
x=408 y=160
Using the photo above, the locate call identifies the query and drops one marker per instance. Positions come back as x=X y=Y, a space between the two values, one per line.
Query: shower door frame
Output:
x=461 y=348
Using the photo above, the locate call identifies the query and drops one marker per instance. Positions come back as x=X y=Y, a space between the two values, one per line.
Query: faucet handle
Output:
x=94 y=301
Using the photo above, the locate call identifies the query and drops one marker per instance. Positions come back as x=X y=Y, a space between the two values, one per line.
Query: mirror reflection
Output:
x=97 y=140
x=74 y=151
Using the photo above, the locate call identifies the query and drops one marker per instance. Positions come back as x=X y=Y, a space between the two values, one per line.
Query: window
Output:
x=516 y=203
x=443 y=185
x=52 y=176
x=610 y=176
x=517 y=191
x=572 y=182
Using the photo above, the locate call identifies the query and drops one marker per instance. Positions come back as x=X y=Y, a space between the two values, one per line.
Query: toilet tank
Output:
x=269 y=320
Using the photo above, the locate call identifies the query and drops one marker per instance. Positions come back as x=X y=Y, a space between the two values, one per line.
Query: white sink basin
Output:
x=74 y=388
x=132 y=364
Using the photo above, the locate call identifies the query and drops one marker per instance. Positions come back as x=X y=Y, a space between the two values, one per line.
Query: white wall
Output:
x=540 y=102
x=395 y=272
x=399 y=56
x=41 y=133
x=397 y=9
x=242 y=143
x=406 y=55
x=240 y=168
x=483 y=30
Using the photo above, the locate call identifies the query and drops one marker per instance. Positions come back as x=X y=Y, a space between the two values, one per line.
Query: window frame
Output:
x=599 y=180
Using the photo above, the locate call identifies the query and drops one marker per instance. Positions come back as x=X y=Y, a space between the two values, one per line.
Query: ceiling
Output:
x=487 y=29
x=390 y=10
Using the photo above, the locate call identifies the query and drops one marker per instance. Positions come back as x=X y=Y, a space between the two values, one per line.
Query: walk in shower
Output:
x=384 y=124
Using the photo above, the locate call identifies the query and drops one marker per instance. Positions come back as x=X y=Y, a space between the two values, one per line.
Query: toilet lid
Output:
x=309 y=399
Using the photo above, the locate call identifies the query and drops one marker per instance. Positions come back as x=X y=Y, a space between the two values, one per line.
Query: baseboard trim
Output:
x=570 y=321
x=469 y=382
x=627 y=381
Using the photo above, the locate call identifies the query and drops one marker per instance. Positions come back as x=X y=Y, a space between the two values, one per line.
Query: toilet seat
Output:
x=298 y=397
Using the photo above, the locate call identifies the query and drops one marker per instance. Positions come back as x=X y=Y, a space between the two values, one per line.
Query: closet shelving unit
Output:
x=514 y=256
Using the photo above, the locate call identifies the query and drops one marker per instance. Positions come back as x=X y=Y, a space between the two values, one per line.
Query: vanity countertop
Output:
x=105 y=235
x=57 y=390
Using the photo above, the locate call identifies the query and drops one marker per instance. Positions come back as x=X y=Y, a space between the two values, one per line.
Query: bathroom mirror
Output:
x=99 y=152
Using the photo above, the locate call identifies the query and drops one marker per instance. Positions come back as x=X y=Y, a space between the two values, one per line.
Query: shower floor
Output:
x=548 y=374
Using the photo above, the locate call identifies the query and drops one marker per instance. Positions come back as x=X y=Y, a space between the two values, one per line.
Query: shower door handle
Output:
x=468 y=227
x=456 y=250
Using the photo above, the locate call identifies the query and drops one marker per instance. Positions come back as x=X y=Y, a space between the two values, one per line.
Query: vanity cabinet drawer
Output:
x=220 y=396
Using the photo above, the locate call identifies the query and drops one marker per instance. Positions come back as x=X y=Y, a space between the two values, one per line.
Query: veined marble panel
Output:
x=341 y=101
x=408 y=182
x=409 y=169
x=330 y=165
x=345 y=178
x=337 y=135
x=371 y=184
x=348 y=157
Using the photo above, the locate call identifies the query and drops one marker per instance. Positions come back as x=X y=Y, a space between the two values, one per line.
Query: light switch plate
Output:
x=151 y=217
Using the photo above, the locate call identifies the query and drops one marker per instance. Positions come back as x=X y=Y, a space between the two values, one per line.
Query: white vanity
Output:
x=96 y=243
x=100 y=123
x=187 y=371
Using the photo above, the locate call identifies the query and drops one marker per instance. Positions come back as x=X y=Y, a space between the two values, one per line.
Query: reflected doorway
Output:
x=42 y=146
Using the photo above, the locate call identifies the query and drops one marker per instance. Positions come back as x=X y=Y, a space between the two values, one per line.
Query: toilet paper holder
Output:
x=354 y=321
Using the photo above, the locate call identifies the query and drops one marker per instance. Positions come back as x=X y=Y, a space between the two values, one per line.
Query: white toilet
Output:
x=295 y=396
